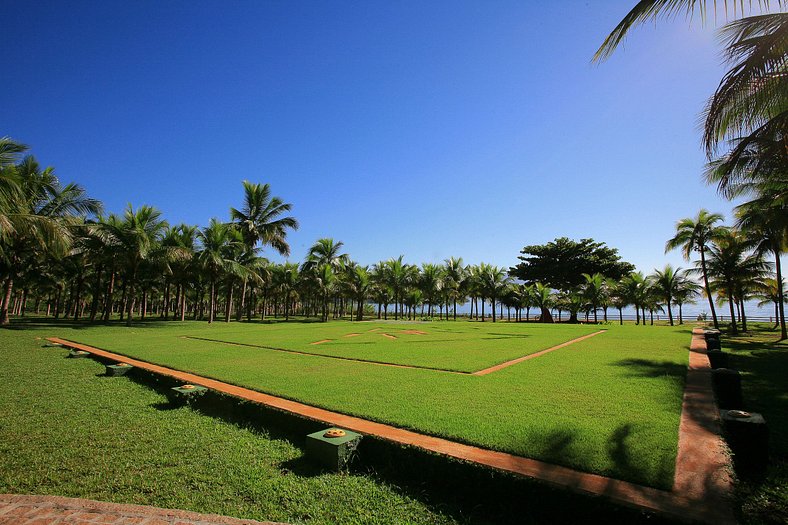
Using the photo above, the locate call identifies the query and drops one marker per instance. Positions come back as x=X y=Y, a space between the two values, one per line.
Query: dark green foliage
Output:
x=561 y=264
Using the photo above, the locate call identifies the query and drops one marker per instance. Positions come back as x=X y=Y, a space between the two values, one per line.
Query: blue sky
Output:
x=428 y=129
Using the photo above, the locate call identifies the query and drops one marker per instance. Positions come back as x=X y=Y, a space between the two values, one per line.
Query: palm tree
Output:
x=289 y=282
x=754 y=92
x=543 y=298
x=454 y=272
x=430 y=283
x=728 y=262
x=325 y=279
x=767 y=224
x=769 y=293
x=218 y=241
x=262 y=219
x=137 y=238
x=619 y=298
x=399 y=275
x=685 y=292
x=666 y=285
x=380 y=287
x=36 y=219
x=325 y=251
x=360 y=286
x=695 y=235
x=594 y=291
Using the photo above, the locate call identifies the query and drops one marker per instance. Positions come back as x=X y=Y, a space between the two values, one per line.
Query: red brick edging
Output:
x=54 y=510
x=701 y=483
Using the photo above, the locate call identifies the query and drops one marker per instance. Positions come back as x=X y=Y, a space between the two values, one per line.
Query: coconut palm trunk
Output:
x=780 y=294
x=9 y=288
x=708 y=288
x=670 y=312
x=734 y=328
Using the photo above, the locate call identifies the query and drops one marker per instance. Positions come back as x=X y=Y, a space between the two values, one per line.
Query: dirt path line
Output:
x=696 y=503
x=495 y=368
x=326 y=356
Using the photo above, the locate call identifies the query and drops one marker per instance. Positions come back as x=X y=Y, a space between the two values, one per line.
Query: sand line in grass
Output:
x=341 y=358
x=693 y=505
x=482 y=372
x=507 y=364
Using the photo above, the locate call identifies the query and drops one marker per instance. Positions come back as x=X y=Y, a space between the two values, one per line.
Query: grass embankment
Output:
x=609 y=405
x=763 y=363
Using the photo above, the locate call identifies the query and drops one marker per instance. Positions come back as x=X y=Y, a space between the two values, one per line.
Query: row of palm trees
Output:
x=745 y=135
x=732 y=262
x=62 y=256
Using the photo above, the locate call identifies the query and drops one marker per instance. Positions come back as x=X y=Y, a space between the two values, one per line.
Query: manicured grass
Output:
x=66 y=430
x=462 y=347
x=763 y=363
x=610 y=404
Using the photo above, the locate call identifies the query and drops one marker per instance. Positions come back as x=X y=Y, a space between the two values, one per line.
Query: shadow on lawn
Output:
x=469 y=493
x=637 y=367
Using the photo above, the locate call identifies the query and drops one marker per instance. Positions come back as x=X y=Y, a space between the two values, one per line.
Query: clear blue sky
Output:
x=428 y=129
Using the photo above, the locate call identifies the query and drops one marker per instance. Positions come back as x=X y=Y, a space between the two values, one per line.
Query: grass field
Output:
x=764 y=366
x=609 y=404
x=66 y=429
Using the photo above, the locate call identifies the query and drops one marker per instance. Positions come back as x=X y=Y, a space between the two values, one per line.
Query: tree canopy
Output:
x=561 y=263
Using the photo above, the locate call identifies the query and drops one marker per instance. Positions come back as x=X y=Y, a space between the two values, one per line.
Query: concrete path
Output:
x=55 y=510
x=702 y=481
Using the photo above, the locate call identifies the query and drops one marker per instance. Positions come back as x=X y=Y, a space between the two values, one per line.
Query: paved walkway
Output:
x=701 y=486
x=56 y=510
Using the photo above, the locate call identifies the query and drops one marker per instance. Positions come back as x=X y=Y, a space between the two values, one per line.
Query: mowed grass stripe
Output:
x=609 y=405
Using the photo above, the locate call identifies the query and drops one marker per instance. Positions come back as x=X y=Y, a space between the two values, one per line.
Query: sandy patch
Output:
x=321 y=342
x=352 y=335
x=389 y=336
x=414 y=332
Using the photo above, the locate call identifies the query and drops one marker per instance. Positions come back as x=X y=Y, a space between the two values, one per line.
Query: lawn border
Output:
x=705 y=498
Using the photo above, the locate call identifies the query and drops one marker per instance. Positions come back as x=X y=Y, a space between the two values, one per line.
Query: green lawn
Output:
x=67 y=430
x=610 y=404
x=462 y=347
x=763 y=363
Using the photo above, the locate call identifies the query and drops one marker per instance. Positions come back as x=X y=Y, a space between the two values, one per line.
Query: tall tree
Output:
x=219 y=242
x=694 y=235
x=137 y=237
x=36 y=218
x=667 y=283
x=594 y=290
x=455 y=273
x=561 y=264
x=767 y=224
x=263 y=219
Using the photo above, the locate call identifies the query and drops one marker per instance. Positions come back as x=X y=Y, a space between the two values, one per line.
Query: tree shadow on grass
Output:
x=467 y=492
x=637 y=367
